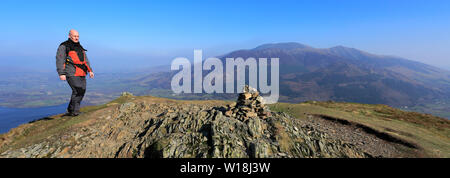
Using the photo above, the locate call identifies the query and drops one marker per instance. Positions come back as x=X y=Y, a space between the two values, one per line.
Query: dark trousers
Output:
x=78 y=85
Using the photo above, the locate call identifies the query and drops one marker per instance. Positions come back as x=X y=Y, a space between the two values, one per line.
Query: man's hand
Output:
x=91 y=74
x=62 y=77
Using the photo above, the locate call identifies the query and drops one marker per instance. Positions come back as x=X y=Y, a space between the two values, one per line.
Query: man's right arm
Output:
x=60 y=60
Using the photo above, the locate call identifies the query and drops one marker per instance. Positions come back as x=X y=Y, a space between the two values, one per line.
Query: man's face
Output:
x=74 y=36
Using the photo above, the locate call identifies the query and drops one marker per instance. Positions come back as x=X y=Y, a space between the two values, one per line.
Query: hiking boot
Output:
x=68 y=114
x=77 y=113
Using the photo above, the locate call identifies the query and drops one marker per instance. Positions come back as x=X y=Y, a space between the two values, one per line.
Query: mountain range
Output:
x=342 y=74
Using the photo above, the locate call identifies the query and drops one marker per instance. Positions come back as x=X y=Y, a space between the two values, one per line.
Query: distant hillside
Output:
x=344 y=74
x=347 y=74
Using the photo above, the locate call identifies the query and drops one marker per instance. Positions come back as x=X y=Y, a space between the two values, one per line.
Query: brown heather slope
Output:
x=147 y=126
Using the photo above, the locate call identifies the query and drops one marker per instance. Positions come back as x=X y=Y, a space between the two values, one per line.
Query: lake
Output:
x=13 y=117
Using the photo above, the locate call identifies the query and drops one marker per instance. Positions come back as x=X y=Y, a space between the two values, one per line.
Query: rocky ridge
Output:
x=163 y=128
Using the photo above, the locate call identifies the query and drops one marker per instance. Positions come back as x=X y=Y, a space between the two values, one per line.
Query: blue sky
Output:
x=128 y=34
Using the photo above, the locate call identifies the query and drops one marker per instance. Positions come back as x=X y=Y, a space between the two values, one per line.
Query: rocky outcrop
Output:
x=182 y=129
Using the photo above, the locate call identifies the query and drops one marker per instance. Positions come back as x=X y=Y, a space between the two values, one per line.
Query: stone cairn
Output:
x=126 y=94
x=249 y=104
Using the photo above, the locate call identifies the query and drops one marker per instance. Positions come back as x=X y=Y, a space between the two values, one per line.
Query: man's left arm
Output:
x=88 y=65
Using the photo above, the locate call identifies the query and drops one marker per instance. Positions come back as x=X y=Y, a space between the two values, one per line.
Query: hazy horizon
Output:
x=127 y=35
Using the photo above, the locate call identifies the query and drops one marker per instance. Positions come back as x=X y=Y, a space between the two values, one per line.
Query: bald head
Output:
x=74 y=36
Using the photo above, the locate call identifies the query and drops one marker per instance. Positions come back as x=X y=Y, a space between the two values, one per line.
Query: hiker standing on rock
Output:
x=72 y=65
